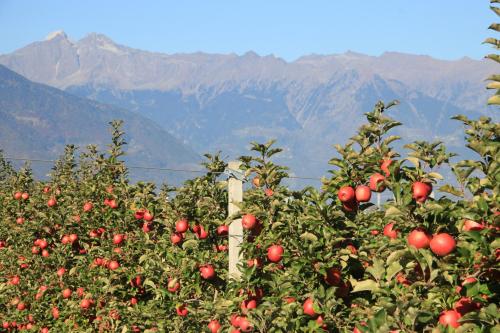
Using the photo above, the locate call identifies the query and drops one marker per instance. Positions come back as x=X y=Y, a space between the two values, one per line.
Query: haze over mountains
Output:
x=222 y=102
x=37 y=121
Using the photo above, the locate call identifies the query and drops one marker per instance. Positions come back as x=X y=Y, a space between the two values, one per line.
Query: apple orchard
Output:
x=88 y=251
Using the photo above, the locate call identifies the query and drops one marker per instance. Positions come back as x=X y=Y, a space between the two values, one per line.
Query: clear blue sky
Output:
x=287 y=28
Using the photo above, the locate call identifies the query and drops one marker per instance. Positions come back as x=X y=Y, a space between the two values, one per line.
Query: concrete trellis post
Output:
x=235 y=195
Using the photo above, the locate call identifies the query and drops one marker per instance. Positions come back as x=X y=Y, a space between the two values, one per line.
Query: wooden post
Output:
x=235 y=195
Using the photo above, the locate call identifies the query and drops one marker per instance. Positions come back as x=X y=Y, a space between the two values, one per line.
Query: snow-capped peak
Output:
x=55 y=34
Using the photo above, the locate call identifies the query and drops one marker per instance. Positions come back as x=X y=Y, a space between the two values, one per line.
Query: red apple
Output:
x=256 y=181
x=421 y=191
x=173 y=285
x=469 y=280
x=275 y=253
x=377 y=182
x=333 y=277
x=235 y=320
x=450 y=318
x=202 y=233
x=346 y=194
x=214 y=326
x=61 y=271
x=254 y=262
x=148 y=216
x=245 y=325
x=470 y=225
x=308 y=308
x=419 y=239
x=181 y=310
x=442 y=244
x=221 y=247
x=87 y=207
x=465 y=305
x=248 y=221
x=176 y=238
x=67 y=293
x=248 y=304
x=207 y=272
x=222 y=230
x=85 y=304
x=117 y=239
x=42 y=243
x=139 y=214
x=112 y=265
x=15 y=280
x=385 y=167
x=181 y=225
x=389 y=231
x=113 y=204
x=146 y=226
x=363 y=193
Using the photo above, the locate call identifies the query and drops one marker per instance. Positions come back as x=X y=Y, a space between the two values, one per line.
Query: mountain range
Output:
x=214 y=102
x=37 y=121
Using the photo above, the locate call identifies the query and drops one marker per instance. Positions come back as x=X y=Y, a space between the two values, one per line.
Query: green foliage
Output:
x=343 y=259
x=495 y=99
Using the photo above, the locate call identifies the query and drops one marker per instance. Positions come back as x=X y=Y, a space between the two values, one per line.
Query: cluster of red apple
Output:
x=351 y=197
x=24 y=196
x=257 y=183
x=146 y=216
x=461 y=307
x=240 y=323
x=103 y=262
x=274 y=252
x=40 y=245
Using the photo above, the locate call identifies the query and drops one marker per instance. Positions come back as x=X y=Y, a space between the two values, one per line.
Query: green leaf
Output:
x=366 y=285
x=494 y=100
x=391 y=139
x=392 y=270
x=493 y=85
x=190 y=244
x=415 y=161
x=309 y=236
x=448 y=277
x=452 y=190
x=392 y=211
x=276 y=225
x=395 y=255
x=150 y=283
x=497 y=11
x=494 y=57
x=377 y=270
x=435 y=175
x=495 y=77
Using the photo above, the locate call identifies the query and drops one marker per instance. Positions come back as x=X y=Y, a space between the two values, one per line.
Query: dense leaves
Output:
x=87 y=251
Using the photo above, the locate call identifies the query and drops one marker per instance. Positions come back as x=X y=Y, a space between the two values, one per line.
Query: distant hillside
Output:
x=221 y=102
x=37 y=121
